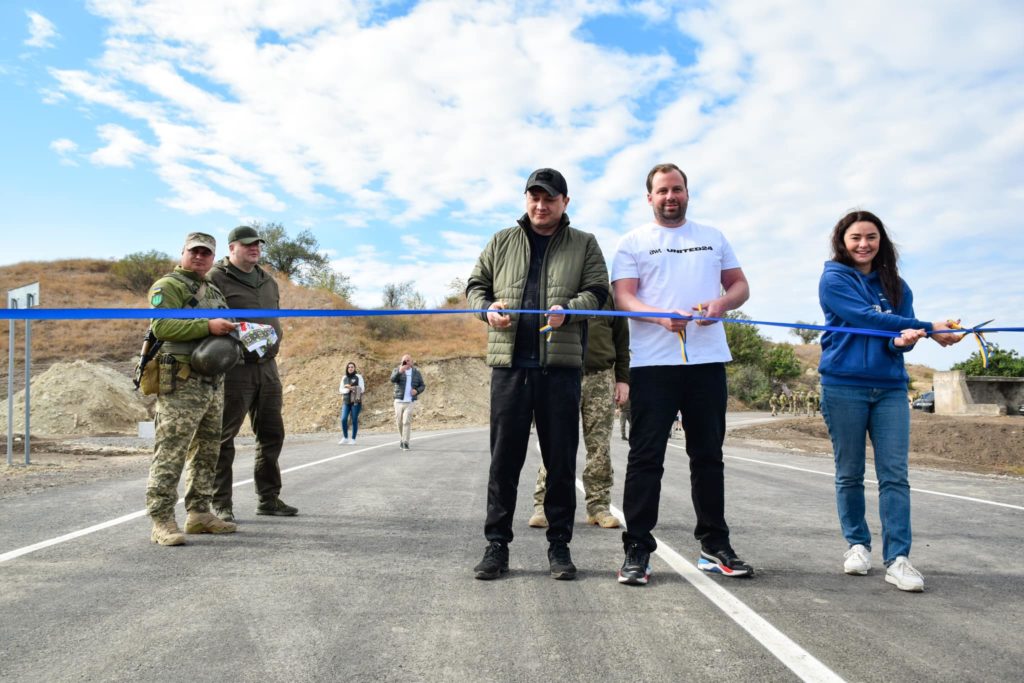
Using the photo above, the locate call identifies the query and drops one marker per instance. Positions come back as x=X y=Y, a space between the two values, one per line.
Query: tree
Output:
x=456 y=297
x=806 y=336
x=328 y=279
x=1000 y=363
x=297 y=258
x=748 y=384
x=745 y=342
x=140 y=270
x=401 y=295
x=395 y=295
x=780 y=363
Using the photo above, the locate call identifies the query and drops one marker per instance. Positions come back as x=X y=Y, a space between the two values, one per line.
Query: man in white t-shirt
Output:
x=673 y=265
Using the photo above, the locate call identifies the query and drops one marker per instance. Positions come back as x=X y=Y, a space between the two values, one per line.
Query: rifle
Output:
x=150 y=347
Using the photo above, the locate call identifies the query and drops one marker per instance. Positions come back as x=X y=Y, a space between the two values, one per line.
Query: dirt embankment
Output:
x=991 y=445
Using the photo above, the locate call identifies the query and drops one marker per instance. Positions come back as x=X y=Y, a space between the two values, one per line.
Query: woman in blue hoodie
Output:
x=864 y=388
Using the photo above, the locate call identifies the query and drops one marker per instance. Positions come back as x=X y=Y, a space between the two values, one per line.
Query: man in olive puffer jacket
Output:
x=540 y=264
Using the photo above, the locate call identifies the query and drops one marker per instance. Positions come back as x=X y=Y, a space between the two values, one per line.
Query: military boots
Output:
x=166 y=532
x=207 y=523
x=603 y=519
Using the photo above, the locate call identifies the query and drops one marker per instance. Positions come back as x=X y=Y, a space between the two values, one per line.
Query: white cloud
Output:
x=121 y=148
x=64 y=149
x=41 y=30
x=63 y=146
x=331 y=108
x=791 y=114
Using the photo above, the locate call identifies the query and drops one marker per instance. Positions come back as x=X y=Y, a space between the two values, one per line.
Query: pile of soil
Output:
x=80 y=398
x=991 y=445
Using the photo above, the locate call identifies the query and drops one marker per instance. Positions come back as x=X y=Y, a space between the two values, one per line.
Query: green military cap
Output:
x=245 y=234
x=200 y=239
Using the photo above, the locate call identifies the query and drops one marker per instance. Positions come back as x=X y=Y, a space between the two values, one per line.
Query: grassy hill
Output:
x=448 y=348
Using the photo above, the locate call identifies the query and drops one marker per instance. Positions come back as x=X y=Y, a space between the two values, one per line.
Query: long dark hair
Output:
x=885 y=260
x=354 y=372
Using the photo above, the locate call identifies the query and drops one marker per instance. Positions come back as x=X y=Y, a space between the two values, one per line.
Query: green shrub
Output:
x=749 y=384
x=140 y=270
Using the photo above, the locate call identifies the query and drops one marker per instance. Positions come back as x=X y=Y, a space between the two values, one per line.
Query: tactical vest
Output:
x=177 y=348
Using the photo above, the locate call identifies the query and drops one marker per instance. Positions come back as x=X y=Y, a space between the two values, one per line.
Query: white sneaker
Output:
x=858 y=560
x=341 y=441
x=352 y=441
x=903 y=575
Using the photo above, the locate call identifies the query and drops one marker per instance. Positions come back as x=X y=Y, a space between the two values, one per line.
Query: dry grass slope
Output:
x=313 y=355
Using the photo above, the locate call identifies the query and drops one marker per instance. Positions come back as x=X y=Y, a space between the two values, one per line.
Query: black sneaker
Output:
x=560 y=561
x=636 y=569
x=495 y=562
x=723 y=562
x=276 y=507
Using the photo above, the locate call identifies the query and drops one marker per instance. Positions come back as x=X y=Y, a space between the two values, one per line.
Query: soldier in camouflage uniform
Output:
x=605 y=384
x=773 y=403
x=189 y=405
x=624 y=417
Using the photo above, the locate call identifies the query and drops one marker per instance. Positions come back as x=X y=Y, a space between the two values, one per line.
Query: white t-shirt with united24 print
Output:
x=677 y=269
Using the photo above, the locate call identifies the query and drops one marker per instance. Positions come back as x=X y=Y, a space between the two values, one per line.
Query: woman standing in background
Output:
x=351 y=390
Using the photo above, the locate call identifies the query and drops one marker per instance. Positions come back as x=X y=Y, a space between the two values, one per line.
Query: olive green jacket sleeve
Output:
x=171 y=292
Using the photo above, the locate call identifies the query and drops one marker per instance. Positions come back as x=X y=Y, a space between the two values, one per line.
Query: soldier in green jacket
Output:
x=189 y=405
x=605 y=385
x=252 y=388
x=540 y=264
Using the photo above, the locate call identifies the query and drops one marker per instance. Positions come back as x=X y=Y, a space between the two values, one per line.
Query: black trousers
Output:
x=551 y=397
x=656 y=393
x=255 y=391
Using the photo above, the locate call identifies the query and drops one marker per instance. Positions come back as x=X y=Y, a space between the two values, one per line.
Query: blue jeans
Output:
x=884 y=415
x=353 y=411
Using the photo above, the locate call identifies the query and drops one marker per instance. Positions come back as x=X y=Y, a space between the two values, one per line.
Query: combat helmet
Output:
x=216 y=355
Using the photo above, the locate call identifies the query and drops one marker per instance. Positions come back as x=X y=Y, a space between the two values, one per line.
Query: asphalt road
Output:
x=373 y=581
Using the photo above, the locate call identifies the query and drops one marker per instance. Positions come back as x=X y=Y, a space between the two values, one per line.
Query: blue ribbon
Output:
x=251 y=313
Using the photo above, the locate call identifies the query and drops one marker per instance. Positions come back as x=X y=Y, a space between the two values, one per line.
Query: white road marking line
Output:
x=782 y=647
x=872 y=481
x=73 y=535
x=18 y=552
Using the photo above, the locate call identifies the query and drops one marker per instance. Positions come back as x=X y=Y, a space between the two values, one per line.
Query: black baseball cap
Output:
x=245 y=234
x=549 y=180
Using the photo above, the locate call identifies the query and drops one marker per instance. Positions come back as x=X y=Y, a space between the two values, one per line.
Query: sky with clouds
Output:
x=401 y=133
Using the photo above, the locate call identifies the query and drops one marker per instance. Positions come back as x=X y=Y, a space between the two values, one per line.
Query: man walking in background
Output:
x=408 y=386
x=252 y=388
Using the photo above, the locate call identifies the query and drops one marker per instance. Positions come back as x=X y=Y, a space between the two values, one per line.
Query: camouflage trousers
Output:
x=188 y=426
x=597 y=410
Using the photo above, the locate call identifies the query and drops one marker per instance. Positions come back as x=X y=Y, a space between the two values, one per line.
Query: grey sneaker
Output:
x=858 y=560
x=903 y=575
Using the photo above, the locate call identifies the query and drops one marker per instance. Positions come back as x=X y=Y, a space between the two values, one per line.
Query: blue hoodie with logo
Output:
x=851 y=299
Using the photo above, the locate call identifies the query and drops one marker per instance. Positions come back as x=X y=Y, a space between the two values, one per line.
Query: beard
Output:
x=671 y=215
